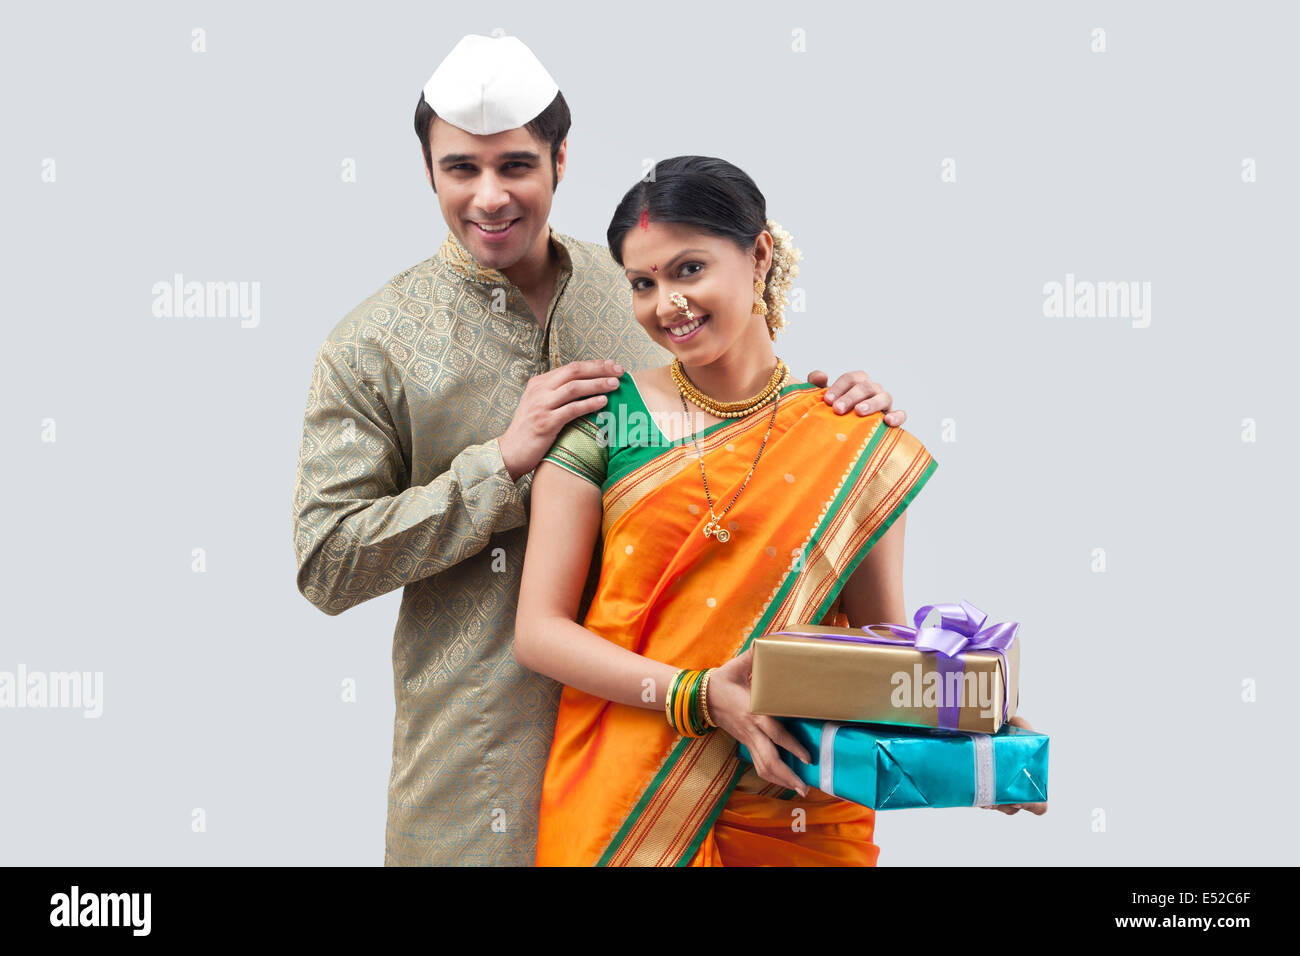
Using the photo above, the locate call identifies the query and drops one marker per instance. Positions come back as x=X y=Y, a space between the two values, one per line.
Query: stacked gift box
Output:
x=898 y=717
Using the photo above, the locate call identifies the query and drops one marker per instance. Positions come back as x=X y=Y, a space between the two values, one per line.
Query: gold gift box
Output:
x=887 y=684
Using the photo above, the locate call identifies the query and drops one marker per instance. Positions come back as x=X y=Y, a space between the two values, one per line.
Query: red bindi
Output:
x=654 y=268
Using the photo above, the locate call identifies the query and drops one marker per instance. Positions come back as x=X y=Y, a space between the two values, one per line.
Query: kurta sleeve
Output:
x=359 y=530
x=581 y=448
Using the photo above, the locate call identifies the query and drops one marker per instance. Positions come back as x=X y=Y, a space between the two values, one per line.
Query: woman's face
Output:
x=716 y=277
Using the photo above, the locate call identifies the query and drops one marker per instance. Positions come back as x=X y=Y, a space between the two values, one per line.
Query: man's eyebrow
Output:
x=684 y=252
x=469 y=157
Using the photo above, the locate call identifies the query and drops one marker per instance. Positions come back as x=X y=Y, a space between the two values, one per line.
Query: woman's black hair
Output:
x=702 y=191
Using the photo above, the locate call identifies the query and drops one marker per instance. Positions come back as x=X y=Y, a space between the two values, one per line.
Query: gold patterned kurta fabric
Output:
x=401 y=484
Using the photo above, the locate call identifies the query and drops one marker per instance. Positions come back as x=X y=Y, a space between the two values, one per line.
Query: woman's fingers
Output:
x=782 y=737
x=746 y=659
x=739 y=667
x=771 y=767
x=1037 y=809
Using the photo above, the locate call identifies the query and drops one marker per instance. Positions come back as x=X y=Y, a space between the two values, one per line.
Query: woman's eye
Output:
x=693 y=266
x=637 y=286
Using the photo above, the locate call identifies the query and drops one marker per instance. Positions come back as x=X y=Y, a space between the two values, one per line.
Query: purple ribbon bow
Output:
x=962 y=630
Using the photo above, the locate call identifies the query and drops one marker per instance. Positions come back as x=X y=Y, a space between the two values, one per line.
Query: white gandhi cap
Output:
x=488 y=85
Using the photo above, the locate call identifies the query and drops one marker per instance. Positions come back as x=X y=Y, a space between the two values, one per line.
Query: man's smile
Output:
x=494 y=230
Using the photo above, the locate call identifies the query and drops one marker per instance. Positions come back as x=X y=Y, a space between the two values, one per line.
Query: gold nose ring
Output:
x=679 y=300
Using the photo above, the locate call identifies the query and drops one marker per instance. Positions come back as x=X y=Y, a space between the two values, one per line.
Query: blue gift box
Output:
x=887 y=767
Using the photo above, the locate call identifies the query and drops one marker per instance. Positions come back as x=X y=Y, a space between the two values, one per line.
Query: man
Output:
x=430 y=404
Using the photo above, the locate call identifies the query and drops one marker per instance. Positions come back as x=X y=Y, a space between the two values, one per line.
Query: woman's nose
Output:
x=670 y=312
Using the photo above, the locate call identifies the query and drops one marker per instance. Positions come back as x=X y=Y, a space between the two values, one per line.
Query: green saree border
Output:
x=870 y=543
x=638 y=456
x=831 y=511
x=791 y=578
x=639 y=807
x=694 y=845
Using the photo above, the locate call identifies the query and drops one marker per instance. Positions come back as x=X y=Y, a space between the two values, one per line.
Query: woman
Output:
x=762 y=510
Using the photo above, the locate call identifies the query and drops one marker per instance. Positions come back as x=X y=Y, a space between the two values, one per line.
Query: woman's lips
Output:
x=702 y=319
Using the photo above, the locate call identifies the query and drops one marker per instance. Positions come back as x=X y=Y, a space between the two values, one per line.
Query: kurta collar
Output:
x=457 y=258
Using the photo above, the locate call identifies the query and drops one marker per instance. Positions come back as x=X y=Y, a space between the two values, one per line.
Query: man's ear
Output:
x=561 y=157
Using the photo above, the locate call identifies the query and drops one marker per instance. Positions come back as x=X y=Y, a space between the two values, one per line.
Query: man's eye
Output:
x=460 y=166
x=517 y=163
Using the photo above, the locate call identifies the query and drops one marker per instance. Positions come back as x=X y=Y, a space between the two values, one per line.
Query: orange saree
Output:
x=621 y=788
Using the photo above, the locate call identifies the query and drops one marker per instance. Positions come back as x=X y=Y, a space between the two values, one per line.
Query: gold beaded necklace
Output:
x=728 y=409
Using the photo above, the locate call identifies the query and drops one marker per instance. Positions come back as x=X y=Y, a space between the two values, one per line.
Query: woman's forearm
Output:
x=571 y=654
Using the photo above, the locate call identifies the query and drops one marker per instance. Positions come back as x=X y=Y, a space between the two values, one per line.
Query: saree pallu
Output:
x=622 y=788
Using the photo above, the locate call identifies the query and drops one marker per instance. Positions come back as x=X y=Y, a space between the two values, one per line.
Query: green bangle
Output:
x=699 y=726
x=675 y=701
x=684 y=707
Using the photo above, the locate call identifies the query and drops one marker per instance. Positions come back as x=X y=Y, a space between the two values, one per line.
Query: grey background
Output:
x=222 y=689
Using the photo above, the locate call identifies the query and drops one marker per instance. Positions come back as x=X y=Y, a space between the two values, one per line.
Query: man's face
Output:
x=495 y=191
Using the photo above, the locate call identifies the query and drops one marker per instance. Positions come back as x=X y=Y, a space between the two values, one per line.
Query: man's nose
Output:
x=491 y=194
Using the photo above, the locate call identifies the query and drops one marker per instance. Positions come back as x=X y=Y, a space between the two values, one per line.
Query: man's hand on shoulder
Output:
x=856 y=390
x=550 y=401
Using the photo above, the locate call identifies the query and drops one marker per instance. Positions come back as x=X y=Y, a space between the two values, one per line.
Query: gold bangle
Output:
x=704 y=699
x=699 y=726
x=668 y=698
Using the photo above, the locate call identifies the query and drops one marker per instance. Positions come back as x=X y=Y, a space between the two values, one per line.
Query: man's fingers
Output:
x=581 y=388
x=586 y=368
x=818 y=377
x=576 y=409
x=865 y=398
x=847 y=382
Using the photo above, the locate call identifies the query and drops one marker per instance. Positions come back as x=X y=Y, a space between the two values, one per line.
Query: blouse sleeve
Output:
x=581 y=448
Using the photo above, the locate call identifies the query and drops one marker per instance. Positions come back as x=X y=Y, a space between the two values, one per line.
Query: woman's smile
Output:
x=687 y=330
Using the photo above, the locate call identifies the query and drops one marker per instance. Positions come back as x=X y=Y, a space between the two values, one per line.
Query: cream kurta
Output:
x=401 y=484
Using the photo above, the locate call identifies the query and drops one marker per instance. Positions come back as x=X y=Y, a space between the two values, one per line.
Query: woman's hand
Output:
x=1035 y=808
x=729 y=708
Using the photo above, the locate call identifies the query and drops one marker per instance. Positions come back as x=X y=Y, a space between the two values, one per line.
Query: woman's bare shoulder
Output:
x=655 y=379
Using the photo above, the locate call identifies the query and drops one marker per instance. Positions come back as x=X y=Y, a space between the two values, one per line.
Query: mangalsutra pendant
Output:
x=716 y=530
